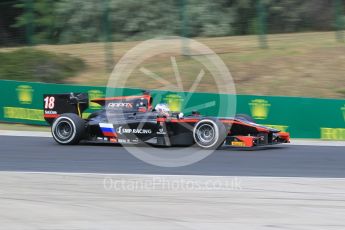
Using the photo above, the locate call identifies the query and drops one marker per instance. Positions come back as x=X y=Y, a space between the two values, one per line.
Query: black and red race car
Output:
x=133 y=120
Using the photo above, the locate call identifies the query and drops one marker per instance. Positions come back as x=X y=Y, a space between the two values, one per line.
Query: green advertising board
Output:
x=302 y=117
x=22 y=102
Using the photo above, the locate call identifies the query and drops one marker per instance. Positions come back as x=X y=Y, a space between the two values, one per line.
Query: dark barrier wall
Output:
x=22 y=102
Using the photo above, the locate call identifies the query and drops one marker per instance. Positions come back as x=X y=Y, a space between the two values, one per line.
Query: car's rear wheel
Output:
x=209 y=133
x=68 y=129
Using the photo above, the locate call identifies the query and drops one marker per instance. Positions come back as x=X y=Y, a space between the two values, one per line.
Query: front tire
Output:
x=209 y=133
x=68 y=129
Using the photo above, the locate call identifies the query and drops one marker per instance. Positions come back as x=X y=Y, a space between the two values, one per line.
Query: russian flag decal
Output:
x=108 y=129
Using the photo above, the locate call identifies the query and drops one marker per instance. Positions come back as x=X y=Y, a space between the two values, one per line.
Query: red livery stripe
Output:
x=260 y=129
x=174 y=120
x=51 y=115
x=109 y=134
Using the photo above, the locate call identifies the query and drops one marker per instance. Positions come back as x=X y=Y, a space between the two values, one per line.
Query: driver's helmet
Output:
x=162 y=109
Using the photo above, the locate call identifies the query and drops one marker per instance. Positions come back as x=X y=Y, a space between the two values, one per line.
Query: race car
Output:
x=134 y=120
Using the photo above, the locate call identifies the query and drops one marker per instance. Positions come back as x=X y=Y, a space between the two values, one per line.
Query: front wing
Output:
x=260 y=140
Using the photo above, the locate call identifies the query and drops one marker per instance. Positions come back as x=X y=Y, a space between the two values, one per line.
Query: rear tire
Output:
x=209 y=133
x=68 y=129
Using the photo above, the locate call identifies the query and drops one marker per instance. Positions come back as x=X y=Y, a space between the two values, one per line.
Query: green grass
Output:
x=342 y=91
x=300 y=64
x=30 y=64
x=22 y=127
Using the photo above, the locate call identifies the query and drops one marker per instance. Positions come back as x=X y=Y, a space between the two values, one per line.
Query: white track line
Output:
x=24 y=133
x=313 y=142
x=305 y=142
x=156 y=175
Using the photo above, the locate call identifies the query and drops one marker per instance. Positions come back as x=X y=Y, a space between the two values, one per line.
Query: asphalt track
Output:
x=41 y=154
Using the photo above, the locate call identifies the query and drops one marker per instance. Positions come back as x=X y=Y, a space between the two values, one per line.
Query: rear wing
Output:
x=56 y=104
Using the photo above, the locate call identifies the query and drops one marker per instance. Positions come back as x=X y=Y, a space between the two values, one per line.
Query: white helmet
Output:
x=162 y=109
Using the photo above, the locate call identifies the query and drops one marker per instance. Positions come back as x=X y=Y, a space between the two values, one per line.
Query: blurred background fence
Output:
x=272 y=47
x=62 y=21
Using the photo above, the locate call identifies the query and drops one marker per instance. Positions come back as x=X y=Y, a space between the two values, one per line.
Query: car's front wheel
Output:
x=209 y=133
x=68 y=129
